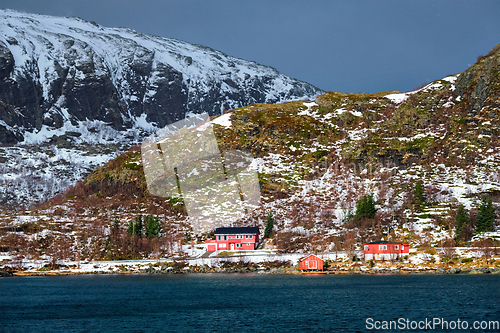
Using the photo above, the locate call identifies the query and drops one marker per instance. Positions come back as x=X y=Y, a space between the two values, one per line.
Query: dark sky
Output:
x=348 y=45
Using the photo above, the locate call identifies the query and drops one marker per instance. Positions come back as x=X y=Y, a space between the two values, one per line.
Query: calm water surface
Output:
x=239 y=302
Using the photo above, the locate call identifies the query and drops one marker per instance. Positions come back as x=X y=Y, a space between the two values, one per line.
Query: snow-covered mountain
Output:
x=67 y=82
x=55 y=69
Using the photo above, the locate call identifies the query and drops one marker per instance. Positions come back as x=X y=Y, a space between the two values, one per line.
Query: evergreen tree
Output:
x=365 y=208
x=485 y=216
x=153 y=226
x=269 y=225
x=462 y=223
x=135 y=226
x=130 y=228
x=419 y=193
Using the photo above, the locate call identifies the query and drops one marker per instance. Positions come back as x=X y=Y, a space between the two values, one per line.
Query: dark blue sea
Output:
x=247 y=303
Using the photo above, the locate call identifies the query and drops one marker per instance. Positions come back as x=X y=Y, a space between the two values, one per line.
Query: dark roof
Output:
x=236 y=230
x=384 y=242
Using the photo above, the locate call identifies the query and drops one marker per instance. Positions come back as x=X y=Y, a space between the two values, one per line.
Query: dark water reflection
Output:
x=240 y=302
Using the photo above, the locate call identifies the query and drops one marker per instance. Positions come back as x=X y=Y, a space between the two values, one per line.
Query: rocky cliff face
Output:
x=73 y=94
x=58 y=70
x=479 y=85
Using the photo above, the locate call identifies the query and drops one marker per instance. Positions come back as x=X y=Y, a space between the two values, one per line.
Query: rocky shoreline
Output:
x=6 y=273
x=165 y=270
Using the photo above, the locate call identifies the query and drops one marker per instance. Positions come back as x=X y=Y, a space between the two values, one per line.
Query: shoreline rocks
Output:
x=6 y=274
x=163 y=269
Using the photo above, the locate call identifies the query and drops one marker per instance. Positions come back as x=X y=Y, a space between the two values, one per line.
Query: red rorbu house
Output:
x=238 y=238
x=311 y=263
x=385 y=250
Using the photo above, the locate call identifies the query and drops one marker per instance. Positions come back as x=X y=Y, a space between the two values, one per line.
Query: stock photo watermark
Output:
x=432 y=324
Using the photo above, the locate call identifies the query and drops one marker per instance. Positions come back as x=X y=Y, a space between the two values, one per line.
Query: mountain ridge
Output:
x=74 y=94
x=80 y=71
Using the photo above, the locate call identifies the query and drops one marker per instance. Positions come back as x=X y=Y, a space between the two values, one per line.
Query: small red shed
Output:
x=385 y=250
x=311 y=263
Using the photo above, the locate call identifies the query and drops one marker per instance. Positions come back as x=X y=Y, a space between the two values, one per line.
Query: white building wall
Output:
x=383 y=256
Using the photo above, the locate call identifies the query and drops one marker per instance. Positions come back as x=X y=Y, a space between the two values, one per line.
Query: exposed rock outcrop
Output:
x=54 y=70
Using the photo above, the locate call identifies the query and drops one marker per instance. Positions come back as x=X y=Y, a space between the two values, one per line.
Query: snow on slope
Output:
x=60 y=54
x=47 y=40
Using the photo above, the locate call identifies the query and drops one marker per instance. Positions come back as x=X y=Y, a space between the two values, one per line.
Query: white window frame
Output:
x=396 y=247
x=367 y=247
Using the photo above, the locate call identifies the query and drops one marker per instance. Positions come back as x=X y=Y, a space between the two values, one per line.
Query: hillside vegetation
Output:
x=421 y=155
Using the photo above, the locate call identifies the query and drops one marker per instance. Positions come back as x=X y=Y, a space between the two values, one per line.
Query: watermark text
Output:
x=431 y=324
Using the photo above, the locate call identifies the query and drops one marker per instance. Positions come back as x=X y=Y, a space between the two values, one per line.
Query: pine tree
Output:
x=365 y=208
x=370 y=206
x=419 y=193
x=485 y=216
x=130 y=228
x=135 y=226
x=462 y=223
x=269 y=225
x=153 y=226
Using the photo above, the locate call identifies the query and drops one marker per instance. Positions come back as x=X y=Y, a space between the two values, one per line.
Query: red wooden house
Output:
x=311 y=263
x=230 y=239
x=385 y=250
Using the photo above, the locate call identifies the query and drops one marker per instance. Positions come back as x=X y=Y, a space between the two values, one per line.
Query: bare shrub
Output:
x=179 y=265
x=349 y=245
x=431 y=193
x=277 y=264
x=486 y=247
x=447 y=248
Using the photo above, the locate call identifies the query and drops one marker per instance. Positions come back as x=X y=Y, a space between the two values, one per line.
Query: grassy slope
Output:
x=317 y=159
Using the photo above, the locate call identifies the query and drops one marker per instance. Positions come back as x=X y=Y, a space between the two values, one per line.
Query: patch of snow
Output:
x=397 y=98
x=141 y=122
x=451 y=78
x=224 y=120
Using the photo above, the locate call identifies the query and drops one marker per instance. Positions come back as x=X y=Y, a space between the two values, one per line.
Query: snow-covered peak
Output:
x=90 y=91
x=40 y=35
x=138 y=65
